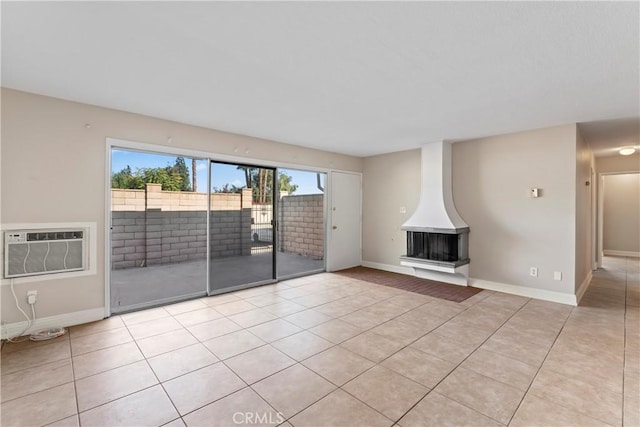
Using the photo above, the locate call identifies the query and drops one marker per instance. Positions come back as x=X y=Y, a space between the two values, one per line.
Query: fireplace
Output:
x=448 y=249
x=437 y=236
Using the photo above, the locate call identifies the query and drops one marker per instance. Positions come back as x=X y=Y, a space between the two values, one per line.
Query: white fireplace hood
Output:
x=436 y=212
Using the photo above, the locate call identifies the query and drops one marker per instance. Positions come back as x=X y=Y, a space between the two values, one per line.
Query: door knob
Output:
x=335 y=227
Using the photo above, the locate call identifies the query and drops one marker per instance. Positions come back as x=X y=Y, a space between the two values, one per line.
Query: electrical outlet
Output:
x=557 y=275
x=533 y=272
x=32 y=297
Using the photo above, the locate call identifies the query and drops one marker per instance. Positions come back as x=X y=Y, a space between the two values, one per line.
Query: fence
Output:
x=152 y=226
x=301 y=230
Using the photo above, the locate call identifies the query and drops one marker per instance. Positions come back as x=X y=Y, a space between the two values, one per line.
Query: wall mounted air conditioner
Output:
x=46 y=251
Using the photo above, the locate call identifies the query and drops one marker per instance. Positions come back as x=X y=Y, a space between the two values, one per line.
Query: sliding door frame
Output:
x=324 y=222
x=274 y=222
x=115 y=143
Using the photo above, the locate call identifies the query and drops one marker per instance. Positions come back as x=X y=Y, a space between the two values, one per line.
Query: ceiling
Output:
x=351 y=77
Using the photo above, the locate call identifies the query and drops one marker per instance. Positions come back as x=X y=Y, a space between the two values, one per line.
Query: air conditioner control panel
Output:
x=13 y=237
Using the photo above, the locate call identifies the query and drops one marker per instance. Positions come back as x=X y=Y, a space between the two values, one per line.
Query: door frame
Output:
x=328 y=226
x=601 y=191
x=168 y=148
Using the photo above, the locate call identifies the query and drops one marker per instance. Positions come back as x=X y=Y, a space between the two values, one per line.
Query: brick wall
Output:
x=301 y=228
x=152 y=226
x=158 y=227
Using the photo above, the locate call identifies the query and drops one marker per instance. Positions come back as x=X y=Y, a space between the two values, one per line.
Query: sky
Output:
x=222 y=173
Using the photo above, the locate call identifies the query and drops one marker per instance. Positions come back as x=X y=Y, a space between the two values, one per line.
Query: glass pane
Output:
x=300 y=222
x=159 y=229
x=241 y=226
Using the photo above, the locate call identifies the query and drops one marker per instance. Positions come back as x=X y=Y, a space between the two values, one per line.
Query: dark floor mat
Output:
x=431 y=288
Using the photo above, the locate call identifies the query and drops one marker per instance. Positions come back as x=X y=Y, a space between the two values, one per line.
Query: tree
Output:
x=170 y=181
x=228 y=188
x=260 y=182
x=285 y=184
x=180 y=168
x=124 y=179
x=172 y=178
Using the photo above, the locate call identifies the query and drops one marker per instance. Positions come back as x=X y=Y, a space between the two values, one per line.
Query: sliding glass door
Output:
x=241 y=224
x=301 y=225
x=159 y=207
x=186 y=227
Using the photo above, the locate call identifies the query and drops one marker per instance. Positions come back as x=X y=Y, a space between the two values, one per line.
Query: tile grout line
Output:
x=461 y=362
x=195 y=370
x=298 y=363
x=541 y=365
x=406 y=346
x=73 y=375
x=154 y=374
x=624 y=339
x=560 y=404
x=371 y=330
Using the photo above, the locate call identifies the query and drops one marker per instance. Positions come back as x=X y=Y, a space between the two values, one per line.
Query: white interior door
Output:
x=345 y=226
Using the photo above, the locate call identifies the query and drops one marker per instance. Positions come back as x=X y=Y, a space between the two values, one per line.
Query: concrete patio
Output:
x=135 y=288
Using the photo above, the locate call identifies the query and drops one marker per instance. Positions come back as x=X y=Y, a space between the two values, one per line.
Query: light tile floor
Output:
x=328 y=350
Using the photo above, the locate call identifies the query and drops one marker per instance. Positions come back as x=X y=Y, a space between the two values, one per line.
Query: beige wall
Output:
x=618 y=163
x=621 y=208
x=510 y=231
x=584 y=250
x=49 y=156
x=390 y=181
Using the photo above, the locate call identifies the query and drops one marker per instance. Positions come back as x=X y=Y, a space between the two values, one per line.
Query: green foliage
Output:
x=180 y=168
x=228 y=189
x=285 y=184
x=261 y=183
x=172 y=178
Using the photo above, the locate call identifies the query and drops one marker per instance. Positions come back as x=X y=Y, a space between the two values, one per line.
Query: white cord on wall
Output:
x=41 y=335
x=29 y=321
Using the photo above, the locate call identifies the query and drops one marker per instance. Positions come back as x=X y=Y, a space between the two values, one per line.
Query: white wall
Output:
x=49 y=156
x=585 y=164
x=621 y=210
x=510 y=231
x=391 y=181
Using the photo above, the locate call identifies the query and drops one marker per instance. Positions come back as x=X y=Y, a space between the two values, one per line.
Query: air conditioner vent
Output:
x=35 y=252
x=55 y=235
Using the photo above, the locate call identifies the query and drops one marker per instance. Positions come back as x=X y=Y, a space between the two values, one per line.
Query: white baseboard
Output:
x=622 y=253
x=388 y=267
x=61 y=320
x=542 y=294
x=583 y=287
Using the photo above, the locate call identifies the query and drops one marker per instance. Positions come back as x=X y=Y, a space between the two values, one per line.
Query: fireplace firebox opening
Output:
x=439 y=248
